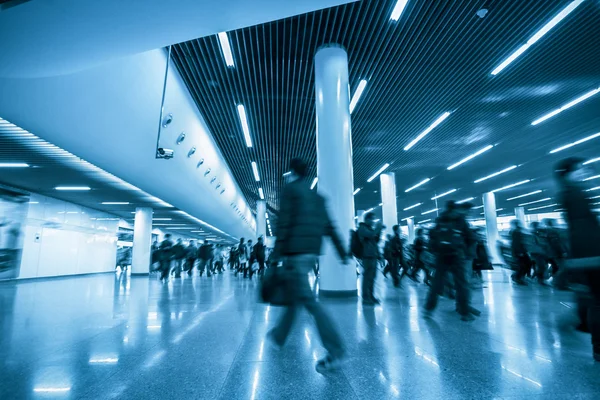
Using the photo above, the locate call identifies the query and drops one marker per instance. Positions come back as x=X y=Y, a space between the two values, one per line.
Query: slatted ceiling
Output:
x=438 y=57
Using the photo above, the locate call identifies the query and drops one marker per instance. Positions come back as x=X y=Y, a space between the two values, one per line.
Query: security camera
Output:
x=166 y=154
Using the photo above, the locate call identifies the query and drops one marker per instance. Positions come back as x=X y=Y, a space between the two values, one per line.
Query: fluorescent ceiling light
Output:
x=425 y=220
x=465 y=200
x=376 y=174
x=398 y=9
x=430 y=211
x=431 y=127
x=585 y=139
x=72 y=188
x=593 y=160
x=115 y=203
x=538 y=35
x=443 y=194
x=566 y=106
x=169 y=224
x=369 y=210
x=533 y=202
x=255 y=171
x=261 y=193
x=413 y=206
x=287 y=173
x=51 y=389
x=380 y=204
x=499 y=209
x=511 y=185
x=594 y=197
x=266 y=215
x=464 y=160
x=359 y=91
x=179 y=228
x=244 y=122
x=108 y=360
x=525 y=195
x=226 y=49
x=541 y=207
x=356 y=191
x=314 y=183
x=592 y=178
x=592 y=189
x=496 y=174
x=424 y=181
x=478 y=207
x=162 y=219
x=407 y=218
x=14 y=165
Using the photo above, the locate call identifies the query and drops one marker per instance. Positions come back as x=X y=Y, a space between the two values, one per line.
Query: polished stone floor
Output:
x=107 y=337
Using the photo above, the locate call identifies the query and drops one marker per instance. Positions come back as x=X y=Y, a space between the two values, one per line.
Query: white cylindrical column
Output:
x=491 y=226
x=520 y=214
x=410 y=222
x=334 y=163
x=142 y=238
x=261 y=218
x=388 y=199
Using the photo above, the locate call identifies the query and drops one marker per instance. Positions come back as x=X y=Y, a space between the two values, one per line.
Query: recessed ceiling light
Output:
x=424 y=181
x=244 y=121
x=592 y=189
x=430 y=211
x=538 y=35
x=585 y=139
x=465 y=200
x=495 y=174
x=376 y=174
x=443 y=194
x=314 y=183
x=398 y=9
x=261 y=193
x=14 y=165
x=539 y=208
x=356 y=191
x=162 y=219
x=566 y=106
x=425 y=220
x=115 y=203
x=592 y=178
x=464 y=160
x=255 y=171
x=431 y=127
x=511 y=185
x=226 y=49
x=72 y=188
x=407 y=218
x=413 y=206
x=593 y=160
x=525 y=195
x=535 y=201
x=169 y=224
x=359 y=91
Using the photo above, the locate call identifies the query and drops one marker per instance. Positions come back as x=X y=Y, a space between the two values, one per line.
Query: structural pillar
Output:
x=142 y=238
x=388 y=199
x=520 y=214
x=334 y=164
x=491 y=226
x=261 y=219
x=410 y=222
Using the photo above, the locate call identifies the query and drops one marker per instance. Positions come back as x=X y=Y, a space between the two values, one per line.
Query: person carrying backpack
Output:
x=369 y=234
x=451 y=242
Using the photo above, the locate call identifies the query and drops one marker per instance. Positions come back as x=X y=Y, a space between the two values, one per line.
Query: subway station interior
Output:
x=316 y=199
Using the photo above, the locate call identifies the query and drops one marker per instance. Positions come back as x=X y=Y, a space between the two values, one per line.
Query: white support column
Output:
x=388 y=198
x=334 y=163
x=520 y=214
x=261 y=219
x=142 y=238
x=411 y=230
x=491 y=225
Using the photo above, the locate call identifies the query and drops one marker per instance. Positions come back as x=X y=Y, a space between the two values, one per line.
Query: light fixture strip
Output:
x=534 y=202
x=496 y=174
x=524 y=195
x=359 y=91
x=72 y=188
x=592 y=189
x=431 y=127
x=356 y=191
x=255 y=171
x=407 y=218
x=585 y=139
x=465 y=200
x=425 y=220
x=542 y=207
x=314 y=183
x=115 y=203
x=443 y=194
x=261 y=193
x=244 y=121
x=566 y=106
x=226 y=49
x=512 y=185
x=424 y=181
x=468 y=158
x=413 y=206
x=592 y=178
x=538 y=35
x=398 y=9
x=429 y=211
x=13 y=165
x=376 y=174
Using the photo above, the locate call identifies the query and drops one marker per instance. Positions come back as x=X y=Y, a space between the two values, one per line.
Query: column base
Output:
x=338 y=293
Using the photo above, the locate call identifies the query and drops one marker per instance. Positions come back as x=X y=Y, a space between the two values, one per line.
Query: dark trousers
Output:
x=205 y=265
x=541 y=264
x=177 y=268
x=298 y=267
x=457 y=266
x=368 y=283
x=165 y=268
x=523 y=265
x=189 y=265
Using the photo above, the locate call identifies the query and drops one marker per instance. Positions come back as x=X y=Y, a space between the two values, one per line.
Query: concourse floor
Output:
x=107 y=337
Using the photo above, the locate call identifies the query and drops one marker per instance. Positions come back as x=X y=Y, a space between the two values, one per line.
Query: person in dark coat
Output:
x=191 y=256
x=179 y=253
x=369 y=234
x=584 y=236
x=205 y=255
x=259 y=254
x=302 y=223
x=166 y=255
x=519 y=253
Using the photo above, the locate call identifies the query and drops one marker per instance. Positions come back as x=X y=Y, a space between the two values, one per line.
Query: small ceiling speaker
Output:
x=200 y=163
x=181 y=138
x=207 y=172
x=167 y=120
x=192 y=151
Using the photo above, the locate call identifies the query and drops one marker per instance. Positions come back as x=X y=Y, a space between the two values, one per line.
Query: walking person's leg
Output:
x=437 y=285
x=463 y=293
x=395 y=266
x=370 y=271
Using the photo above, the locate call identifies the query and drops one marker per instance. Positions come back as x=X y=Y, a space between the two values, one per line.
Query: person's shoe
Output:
x=328 y=364
x=272 y=342
x=474 y=311
x=467 y=318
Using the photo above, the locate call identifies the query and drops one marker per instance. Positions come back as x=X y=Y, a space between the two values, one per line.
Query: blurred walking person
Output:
x=191 y=256
x=522 y=262
x=259 y=254
x=369 y=234
x=419 y=247
x=302 y=223
x=165 y=257
x=179 y=254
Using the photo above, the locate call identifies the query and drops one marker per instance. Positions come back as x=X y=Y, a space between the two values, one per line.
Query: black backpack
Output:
x=356 y=246
x=448 y=237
